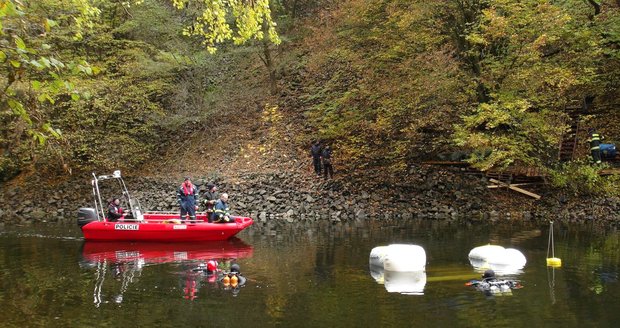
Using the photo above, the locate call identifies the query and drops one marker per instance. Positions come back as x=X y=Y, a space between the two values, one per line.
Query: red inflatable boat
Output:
x=155 y=227
x=150 y=226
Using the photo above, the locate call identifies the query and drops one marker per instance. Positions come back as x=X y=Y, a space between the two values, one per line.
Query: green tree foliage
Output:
x=33 y=74
x=128 y=116
x=58 y=108
x=252 y=21
x=212 y=23
x=534 y=58
x=129 y=103
x=580 y=178
x=385 y=85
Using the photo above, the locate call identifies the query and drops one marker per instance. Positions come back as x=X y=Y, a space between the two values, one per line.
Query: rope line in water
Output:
x=551 y=244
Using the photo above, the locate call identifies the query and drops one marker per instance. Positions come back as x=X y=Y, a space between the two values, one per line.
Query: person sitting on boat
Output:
x=187 y=195
x=221 y=210
x=115 y=212
x=210 y=198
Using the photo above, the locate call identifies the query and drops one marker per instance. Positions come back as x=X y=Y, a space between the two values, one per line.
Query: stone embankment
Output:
x=441 y=194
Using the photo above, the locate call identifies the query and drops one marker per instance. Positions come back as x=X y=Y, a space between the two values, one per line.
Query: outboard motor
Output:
x=86 y=215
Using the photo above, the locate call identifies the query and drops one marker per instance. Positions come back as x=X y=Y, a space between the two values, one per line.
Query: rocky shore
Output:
x=431 y=193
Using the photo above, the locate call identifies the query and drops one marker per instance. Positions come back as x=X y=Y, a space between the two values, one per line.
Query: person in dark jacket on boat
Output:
x=315 y=152
x=115 y=212
x=221 y=210
x=210 y=198
x=187 y=196
x=326 y=156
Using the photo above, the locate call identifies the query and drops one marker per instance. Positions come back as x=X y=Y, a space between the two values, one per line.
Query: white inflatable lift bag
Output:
x=400 y=268
x=399 y=257
x=500 y=259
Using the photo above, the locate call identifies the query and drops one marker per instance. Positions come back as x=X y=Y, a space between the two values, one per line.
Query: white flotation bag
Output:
x=500 y=259
x=399 y=257
x=409 y=283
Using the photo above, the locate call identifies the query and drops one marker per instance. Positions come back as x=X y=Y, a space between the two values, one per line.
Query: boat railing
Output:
x=134 y=204
x=149 y=214
x=177 y=213
x=177 y=220
x=166 y=212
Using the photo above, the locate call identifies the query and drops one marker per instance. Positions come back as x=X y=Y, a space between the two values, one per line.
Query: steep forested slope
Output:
x=388 y=83
x=394 y=82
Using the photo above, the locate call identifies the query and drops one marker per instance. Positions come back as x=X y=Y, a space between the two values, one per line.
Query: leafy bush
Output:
x=583 y=179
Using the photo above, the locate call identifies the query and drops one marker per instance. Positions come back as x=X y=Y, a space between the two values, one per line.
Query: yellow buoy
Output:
x=226 y=280
x=234 y=279
x=552 y=261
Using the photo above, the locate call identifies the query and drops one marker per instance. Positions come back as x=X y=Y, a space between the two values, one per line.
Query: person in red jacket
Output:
x=187 y=195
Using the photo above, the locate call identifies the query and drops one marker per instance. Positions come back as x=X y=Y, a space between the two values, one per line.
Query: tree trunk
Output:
x=273 y=87
x=268 y=61
x=596 y=5
x=294 y=11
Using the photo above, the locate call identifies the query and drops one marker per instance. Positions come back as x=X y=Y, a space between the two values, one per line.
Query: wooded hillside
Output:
x=399 y=81
x=93 y=84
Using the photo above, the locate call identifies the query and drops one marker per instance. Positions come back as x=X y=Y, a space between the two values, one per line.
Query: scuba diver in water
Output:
x=490 y=285
x=210 y=269
x=233 y=280
x=216 y=271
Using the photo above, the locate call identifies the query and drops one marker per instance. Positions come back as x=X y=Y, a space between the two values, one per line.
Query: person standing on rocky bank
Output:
x=187 y=196
x=326 y=156
x=315 y=152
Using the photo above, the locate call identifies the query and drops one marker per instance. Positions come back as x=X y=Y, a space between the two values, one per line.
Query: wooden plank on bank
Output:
x=446 y=163
x=512 y=184
x=610 y=171
x=513 y=187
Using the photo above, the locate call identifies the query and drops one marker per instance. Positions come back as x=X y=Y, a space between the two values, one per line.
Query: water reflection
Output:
x=309 y=274
x=124 y=262
x=124 y=272
x=551 y=283
x=407 y=283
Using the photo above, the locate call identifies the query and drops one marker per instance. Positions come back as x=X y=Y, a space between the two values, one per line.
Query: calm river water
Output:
x=305 y=275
